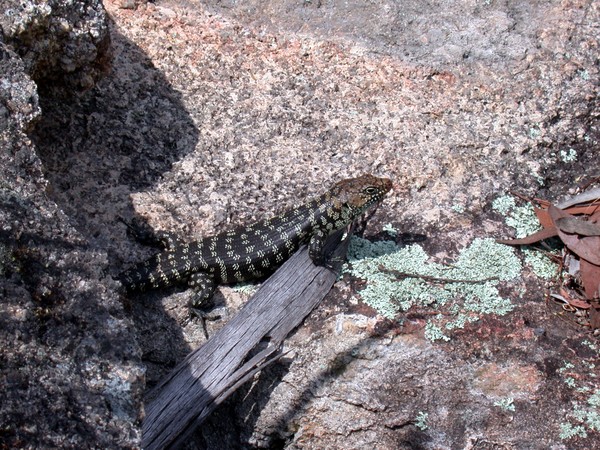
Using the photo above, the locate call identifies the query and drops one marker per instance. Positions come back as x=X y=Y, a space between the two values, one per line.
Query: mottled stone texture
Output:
x=216 y=113
x=64 y=41
x=70 y=374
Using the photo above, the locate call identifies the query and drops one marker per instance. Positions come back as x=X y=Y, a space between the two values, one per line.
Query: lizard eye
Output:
x=370 y=190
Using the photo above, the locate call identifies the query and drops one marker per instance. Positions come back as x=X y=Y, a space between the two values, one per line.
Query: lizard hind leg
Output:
x=167 y=240
x=204 y=287
x=142 y=233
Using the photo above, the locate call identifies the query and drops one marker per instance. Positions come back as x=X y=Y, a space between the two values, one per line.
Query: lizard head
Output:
x=359 y=194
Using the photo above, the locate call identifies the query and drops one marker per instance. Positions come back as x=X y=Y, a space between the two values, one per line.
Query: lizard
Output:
x=254 y=251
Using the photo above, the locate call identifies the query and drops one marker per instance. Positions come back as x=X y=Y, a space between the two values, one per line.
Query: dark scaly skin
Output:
x=257 y=250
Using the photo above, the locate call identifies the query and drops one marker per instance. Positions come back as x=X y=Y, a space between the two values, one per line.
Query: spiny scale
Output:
x=256 y=250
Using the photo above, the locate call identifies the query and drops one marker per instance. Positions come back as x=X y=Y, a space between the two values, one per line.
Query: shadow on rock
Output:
x=101 y=146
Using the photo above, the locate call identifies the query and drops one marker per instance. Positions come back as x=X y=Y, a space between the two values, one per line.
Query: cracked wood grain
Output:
x=247 y=343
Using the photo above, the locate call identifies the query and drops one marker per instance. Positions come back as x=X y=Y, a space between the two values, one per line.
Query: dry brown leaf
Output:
x=543 y=203
x=589 y=196
x=543 y=217
x=580 y=236
x=531 y=239
x=594 y=318
x=581 y=304
x=573 y=225
x=587 y=209
x=586 y=247
x=576 y=303
x=590 y=278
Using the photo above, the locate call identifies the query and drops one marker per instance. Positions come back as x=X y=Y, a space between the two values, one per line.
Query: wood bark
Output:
x=247 y=343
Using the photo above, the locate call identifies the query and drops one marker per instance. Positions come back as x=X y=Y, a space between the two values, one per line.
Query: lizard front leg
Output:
x=316 y=247
x=204 y=287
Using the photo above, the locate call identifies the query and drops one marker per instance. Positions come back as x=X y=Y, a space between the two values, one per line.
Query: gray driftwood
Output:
x=247 y=343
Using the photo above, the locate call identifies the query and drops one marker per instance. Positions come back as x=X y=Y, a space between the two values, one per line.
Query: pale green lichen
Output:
x=521 y=218
x=568 y=156
x=383 y=292
x=525 y=223
x=585 y=415
x=421 y=421
x=591 y=345
x=594 y=400
x=506 y=404
x=537 y=177
x=399 y=278
x=247 y=289
x=584 y=74
x=389 y=228
x=458 y=208
x=485 y=258
x=435 y=333
x=534 y=132
x=592 y=420
x=504 y=204
x=461 y=319
x=361 y=248
x=541 y=265
x=566 y=366
x=568 y=431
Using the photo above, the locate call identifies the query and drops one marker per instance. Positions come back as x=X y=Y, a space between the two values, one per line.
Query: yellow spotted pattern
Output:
x=256 y=250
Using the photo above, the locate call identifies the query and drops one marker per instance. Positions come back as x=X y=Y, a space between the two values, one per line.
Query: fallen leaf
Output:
x=543 y=203
x=581 y=304
x=588 y=209
x=590 y=278
x=573 y=225
x=587 y=247
x=543 y=217
x=588 y=196
x=594 y=318
x=532 y=238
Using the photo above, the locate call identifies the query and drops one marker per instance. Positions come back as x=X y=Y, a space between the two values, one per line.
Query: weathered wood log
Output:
x=247 y=343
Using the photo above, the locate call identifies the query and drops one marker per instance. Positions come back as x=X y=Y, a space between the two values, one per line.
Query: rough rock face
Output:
x=218 y=112
x=59 y=40
x=70 y=374
x=20 y=104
